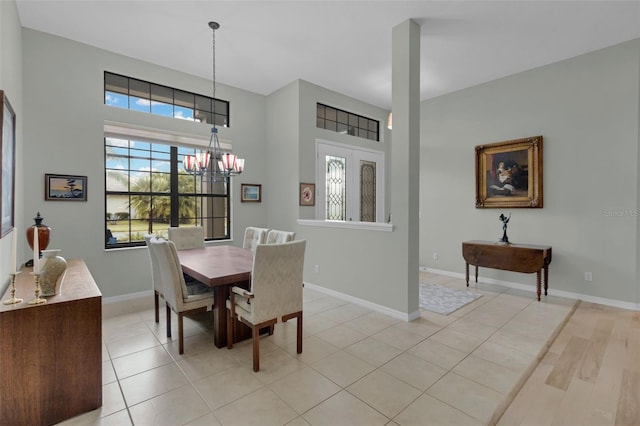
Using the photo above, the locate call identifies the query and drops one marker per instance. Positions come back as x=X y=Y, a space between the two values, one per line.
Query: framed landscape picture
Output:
x=250 y=193
x=8 y=154
x=65 y=187
x=509 y=174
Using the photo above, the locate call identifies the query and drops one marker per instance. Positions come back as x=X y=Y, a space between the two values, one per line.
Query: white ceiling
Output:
x=344 y=46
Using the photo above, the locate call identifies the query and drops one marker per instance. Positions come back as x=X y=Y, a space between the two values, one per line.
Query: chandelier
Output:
x=225 y=164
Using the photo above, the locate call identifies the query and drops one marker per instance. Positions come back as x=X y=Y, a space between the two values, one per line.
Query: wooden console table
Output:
x=51 y=354
x=524 y=258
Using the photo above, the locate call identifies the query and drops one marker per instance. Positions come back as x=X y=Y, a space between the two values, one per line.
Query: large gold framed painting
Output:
x=509 y=174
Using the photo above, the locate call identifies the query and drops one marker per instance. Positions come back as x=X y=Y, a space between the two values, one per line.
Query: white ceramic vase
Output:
x=52 y=272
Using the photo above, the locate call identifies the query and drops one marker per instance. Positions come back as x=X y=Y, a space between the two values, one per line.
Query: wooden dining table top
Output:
x=217 y=265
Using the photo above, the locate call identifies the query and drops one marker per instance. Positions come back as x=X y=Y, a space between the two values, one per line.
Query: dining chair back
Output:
x=275 y=294
x=176 y=293
x=156 y=278
x=254 y=236
x=187 y=237
x=275 y=236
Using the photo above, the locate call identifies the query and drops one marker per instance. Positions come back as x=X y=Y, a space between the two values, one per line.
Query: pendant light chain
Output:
x=214 y=26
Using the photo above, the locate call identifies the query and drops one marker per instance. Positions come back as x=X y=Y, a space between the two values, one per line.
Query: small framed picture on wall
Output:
x=307 y=194
x=65 y=187
x=250 y=193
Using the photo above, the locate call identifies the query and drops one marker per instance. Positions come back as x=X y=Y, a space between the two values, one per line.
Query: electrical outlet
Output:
x=588 y=276
x=317 y=269
x=435 y=255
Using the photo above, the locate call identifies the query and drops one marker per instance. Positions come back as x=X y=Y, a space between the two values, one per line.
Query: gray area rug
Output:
x=444 y=300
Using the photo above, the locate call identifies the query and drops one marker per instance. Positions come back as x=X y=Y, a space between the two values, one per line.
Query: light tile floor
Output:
x=358 y=367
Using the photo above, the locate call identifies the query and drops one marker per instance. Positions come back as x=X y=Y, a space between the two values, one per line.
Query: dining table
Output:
x=220 y=267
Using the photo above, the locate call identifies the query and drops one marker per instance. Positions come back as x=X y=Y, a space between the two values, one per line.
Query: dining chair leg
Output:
x=230 y=334
x=156 y=300
x=299 y=334
x=180 y=334
x=168 y=320
x=255 y=333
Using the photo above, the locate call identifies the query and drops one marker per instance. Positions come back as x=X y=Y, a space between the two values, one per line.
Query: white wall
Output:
x=11 y=83
x=587 y=110
x=63 y=95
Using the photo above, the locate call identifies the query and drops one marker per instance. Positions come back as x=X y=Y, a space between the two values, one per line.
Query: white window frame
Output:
x=353 y=156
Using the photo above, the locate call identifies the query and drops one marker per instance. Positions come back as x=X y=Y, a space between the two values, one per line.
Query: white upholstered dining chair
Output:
x=177 y=294
x=254 y=236
x=275 y=236
x=187 y=237
x=275 y=293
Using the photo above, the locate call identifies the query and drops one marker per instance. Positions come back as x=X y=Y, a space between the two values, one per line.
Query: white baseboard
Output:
x=560 y=293
x=123 y=297
x=365 y=303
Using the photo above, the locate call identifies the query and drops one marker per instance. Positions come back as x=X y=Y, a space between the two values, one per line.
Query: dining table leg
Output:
x=220 y=295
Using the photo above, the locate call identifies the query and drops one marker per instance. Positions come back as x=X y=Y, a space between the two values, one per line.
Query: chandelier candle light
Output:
x=228 y=164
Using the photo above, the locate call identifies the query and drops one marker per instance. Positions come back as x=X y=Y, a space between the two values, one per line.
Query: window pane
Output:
x=320 y=110
x=160 y=182
x=203 y=103
x=116 y=83
x=367 y=191
x=117 y=180
x=183 y=113
x=161 y=94
x=116 y=100
x=335 y=191
x=139 y=104
x=138 y=229
x=221 y=107
x=331 y=114
x=160 y=209
x=184 y=99
x=189 y=210
x=159 y=108
x=161 y=165
x=343 y=117
x=139 y=89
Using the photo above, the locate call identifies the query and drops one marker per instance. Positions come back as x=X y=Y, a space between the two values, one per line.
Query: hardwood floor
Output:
x=589 y=376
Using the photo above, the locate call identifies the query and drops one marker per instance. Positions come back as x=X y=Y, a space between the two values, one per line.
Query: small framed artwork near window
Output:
x=509 y=174
x=307 y=194
x=65 y=187
x=250 y=193
x=8 y=154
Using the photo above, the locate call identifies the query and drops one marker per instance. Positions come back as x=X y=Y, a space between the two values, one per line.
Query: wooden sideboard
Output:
x=51 y=354
x=526 y=258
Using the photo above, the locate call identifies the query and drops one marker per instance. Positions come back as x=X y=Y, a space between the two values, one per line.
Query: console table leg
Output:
x=466 y=272
x=538 y=279
x=546 y=279
x=476 y=274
